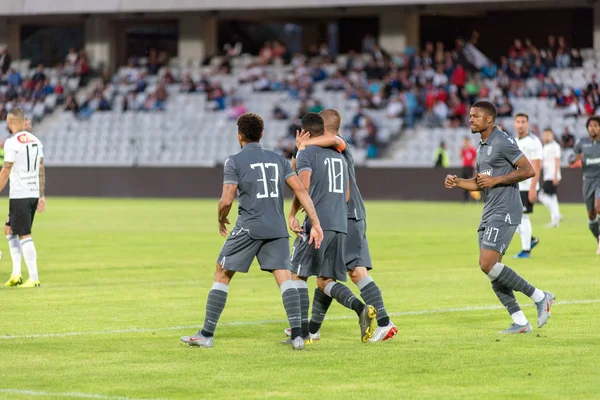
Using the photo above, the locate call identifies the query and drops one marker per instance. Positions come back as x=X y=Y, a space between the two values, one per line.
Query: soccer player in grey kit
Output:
x=588 y=151
x=258 y=176
x=324 y=172
x=358 y=256
x=500 y=167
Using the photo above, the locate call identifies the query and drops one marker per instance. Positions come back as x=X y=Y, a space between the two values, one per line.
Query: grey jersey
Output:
x=328 y=185
x=356 y=205
x=496 y=157
x=260 y=175
x=590 y=157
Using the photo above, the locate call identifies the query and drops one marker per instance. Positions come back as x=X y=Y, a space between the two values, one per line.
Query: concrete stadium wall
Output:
x=375 y=183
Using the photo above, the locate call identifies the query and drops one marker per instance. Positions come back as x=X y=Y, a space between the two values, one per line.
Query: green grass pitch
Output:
x=122 y=280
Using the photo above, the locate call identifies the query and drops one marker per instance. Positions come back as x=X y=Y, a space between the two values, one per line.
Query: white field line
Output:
x=273 y=321
x=75 y=395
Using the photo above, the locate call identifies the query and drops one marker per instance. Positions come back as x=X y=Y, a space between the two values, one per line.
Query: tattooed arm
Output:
x=42 y=202
x=4 y=174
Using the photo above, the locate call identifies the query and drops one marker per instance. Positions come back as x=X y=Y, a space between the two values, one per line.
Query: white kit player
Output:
x=548 y=196
x=531 y=146
x=23 y=165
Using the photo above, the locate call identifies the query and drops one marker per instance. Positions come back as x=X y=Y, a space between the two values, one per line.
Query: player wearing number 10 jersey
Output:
x=324 y=172
x=258 y=176
x=23 y=165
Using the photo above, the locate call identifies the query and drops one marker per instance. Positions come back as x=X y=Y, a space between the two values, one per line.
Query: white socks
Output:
x=519 y=318
x=30 y=256
x=15 y=254
x=551 y=203
x=537 y=296
x=525 y=230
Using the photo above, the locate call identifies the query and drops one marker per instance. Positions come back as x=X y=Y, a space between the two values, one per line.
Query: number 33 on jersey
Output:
x=25 y=151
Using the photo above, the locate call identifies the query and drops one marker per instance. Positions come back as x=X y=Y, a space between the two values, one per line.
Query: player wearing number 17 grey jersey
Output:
x=501 y=165
x=258 y=176
x=23 y=165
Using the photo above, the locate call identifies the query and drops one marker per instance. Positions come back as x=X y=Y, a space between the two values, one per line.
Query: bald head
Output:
x=332 y=120
x=16 y=114
x=15 y=120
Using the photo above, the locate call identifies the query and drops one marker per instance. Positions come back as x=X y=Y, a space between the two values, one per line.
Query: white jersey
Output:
x=552 y=151
x=532 y=147
x=24 y=150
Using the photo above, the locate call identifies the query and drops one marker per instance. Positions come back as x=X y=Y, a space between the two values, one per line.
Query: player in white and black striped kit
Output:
x=532 y=147
x=23 y=165
x=548 y=196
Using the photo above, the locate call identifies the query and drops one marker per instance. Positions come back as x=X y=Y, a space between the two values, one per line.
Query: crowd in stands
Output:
x=30 y=88
x=433 y=86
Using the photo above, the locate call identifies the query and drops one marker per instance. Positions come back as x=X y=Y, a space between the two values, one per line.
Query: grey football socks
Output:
x=506 y=297
x=510 y=279
x=291 y=303
x=594 y=225
x=217 y=297
x=321 y=303
x=371 y=295
x=304 y=305
x=344 y=296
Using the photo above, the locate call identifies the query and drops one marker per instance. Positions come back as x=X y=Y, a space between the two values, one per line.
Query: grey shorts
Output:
x=591 y=191
x=326 y=262
x=239 y=251
x=357 y=247
x=496 y=234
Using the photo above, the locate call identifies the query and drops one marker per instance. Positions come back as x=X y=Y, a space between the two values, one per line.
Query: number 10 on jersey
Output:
x=335 y=173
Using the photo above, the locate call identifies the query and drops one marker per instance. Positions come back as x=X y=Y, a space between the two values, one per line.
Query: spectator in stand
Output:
x=140 y=83
x=153 y=64
x=167 y=77
x=459 y=76
x=576 y=59
x=236 y=108
x=39 y=74
x=161 y=95
x=14 y=78
x=395 y=108
x=590 y=105
x=82 y=66
x=266 y=53
x=5 y=60
x=567 y=141
x=468 y=155
x=368 y=43
x=279 y=114
x=233 y=48
x=505 y=108
x=371 y=140
x=187 y=84
x=11 y=93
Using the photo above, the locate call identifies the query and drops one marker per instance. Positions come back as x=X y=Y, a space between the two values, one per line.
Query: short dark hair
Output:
x=250 y=126
x=486 y=106
x=590 y=119
x=522 y=115
x=313 y=123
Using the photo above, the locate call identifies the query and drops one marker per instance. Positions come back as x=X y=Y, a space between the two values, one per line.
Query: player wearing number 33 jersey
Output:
x=258 y=177
x=23 y=165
